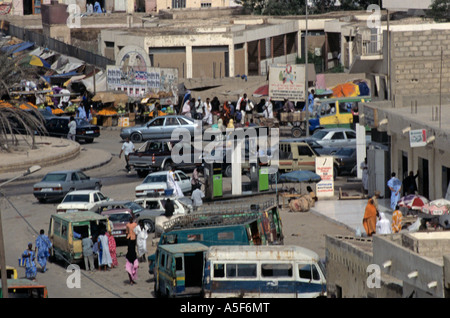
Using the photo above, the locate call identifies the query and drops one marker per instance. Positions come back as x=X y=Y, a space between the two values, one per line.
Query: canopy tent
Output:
x=117 y=98
x=16 y=48
x=300 y=176
x=100 y=83
x=261 y=91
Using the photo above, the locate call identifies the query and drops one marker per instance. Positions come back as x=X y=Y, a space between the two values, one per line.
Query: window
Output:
x=82 y=176
x=163 y=260
x=183 y=176
x=56 y=227
x=74 y=177
x=184 y=121
x=304 y=151
x=172 y=121
x=194 y=237
x=338 y=136
x=350 y=135
x=276 y=270
x=241 y=270
x=225 y=236
x=178 y=4
x=96 y=199
x=64 y=230
x=308 y=272
x=219 y=270
x=157 y=122
x=101 y=196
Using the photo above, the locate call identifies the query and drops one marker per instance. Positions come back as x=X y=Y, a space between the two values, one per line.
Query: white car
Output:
x=83 y=200
x=156 y=183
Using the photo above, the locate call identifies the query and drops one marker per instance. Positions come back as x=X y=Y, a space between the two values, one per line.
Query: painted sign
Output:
x=324 y=168
x=417 y=138
x=287 y=81
x=140 y=83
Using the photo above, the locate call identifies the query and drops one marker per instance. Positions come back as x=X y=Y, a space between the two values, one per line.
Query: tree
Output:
x=15 y=122
x=439 y=11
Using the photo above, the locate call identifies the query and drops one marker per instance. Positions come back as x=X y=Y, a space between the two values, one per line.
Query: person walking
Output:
x=30 y=266
x=112 y=248
x=395 y=186
x=42 y=247
x=104 y=257
x=141 y=231
x=173 y=184
x=383 y=224
x=365 y=175
x=409 y=183
x=169 y=208
x=127 y=148
x=370 y=218
x=397 y=217
x=88 y=253
x=197 y=198
x=131 y=265
x=72 y=129
x=241 y=106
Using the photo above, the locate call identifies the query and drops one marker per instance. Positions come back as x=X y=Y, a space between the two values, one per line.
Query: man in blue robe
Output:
x=394 y=185
x=43 y=246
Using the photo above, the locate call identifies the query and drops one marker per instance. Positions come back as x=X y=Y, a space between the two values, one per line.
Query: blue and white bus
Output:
x=262 y=272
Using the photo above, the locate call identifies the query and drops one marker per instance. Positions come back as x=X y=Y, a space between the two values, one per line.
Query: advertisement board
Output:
x=418 y=138
x=324 y=168
x=287 y=81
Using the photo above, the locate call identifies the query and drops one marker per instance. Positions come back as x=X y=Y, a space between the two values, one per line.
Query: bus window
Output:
x=225 y=236
x=219 y=271
x=308 y=272
x=195 y=237
x=241 y=270
x=276 y=270
x=178 y=263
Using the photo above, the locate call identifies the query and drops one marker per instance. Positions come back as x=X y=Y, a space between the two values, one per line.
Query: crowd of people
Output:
x=241 y=112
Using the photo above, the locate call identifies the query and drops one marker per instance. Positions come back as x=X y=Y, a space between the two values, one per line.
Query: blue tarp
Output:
x=300 y=176
x=70 y=74
x=12 y=49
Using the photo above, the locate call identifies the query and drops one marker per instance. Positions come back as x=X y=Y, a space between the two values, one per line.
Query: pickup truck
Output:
x=157 y=155
x=298 y=156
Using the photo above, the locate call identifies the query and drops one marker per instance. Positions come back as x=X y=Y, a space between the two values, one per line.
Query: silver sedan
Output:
x=55 y=185
x=159 y=128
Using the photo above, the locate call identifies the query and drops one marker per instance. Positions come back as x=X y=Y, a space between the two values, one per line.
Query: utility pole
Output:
x=306 y=70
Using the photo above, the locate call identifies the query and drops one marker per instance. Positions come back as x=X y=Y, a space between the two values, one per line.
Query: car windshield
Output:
x=119 y=217
x=345 y=152
x=76 y=198
x=319 y=134
x=157 y=178
x=133 y=206
x=55 y=177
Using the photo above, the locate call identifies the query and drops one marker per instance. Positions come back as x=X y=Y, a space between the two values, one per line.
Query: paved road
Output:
x=23 y=217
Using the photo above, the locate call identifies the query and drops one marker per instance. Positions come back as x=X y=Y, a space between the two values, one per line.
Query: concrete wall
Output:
x=415 y=65
x=403 y=262
x=347 y=261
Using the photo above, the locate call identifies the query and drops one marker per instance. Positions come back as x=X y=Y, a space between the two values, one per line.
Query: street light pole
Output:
x=2 y=243
x=306 y=70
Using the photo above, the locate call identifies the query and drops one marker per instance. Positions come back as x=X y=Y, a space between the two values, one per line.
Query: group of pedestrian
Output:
x=40 y=253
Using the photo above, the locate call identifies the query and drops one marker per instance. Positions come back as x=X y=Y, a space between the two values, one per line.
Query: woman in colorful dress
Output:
x=112 y=249
x=30 y=265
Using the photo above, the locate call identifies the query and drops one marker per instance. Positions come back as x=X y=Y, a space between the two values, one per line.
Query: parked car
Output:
x=156 y=182
x=118 y=219
x=312 y=142
x=158 y=128
x=55 y=185
x=82 y=200
x=346 y=159
x=58 y=126
x=335 y=137
x=147 y=214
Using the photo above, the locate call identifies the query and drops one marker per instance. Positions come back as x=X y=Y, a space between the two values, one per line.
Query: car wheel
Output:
x=167 y=166
x=297 y=132
x=42 y=200
x=89 y=140
x=151 y=226
x=228 y=171
x=136 y=137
